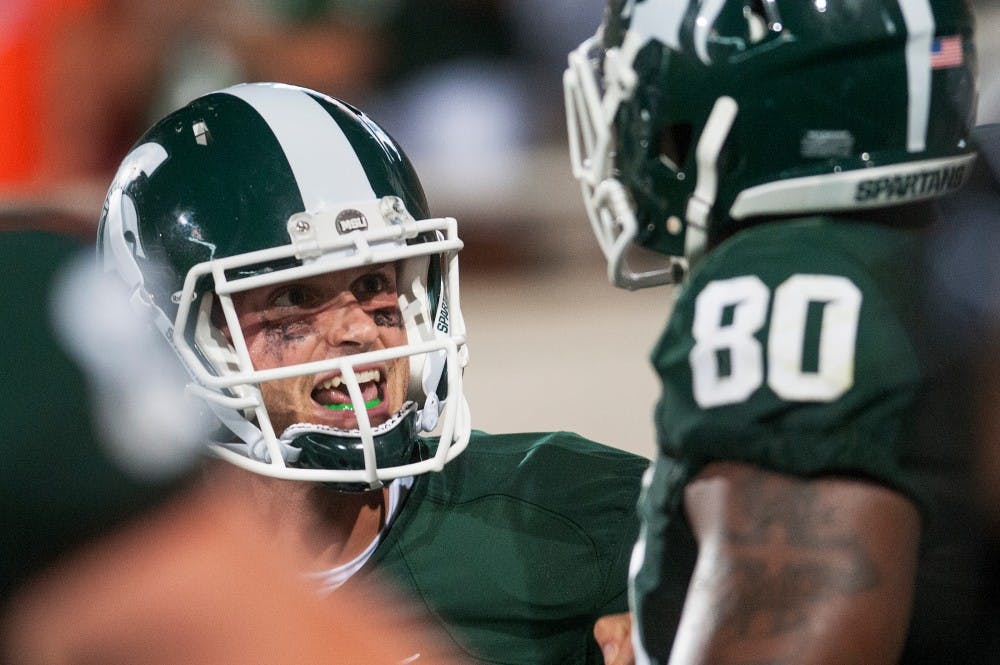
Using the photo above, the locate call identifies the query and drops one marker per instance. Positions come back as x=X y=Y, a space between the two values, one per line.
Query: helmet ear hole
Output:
x=674 y=144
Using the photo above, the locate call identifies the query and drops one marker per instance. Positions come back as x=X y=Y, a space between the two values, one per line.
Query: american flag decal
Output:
x=946 y=52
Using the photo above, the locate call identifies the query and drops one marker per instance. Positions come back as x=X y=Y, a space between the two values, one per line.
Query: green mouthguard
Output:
x=350 y=407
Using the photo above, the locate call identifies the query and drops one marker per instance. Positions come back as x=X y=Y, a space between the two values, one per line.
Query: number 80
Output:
x=748 y=299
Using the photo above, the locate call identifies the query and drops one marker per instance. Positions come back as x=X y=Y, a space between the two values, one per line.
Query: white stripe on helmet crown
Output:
x=919 y=39
x=323 y=161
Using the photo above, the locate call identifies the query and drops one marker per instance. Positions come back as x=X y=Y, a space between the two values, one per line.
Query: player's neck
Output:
x=316 y=526
x=344 y=524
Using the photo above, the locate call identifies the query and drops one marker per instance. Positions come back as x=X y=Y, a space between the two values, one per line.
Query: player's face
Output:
x=323 y=317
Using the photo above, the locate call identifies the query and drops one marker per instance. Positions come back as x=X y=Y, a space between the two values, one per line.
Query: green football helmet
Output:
x=262 y=184
x=689 y=120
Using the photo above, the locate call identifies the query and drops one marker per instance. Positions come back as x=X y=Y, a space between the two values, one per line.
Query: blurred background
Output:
x=470 y=88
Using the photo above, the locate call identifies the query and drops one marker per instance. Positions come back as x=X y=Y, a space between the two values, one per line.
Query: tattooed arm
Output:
x=794 y=570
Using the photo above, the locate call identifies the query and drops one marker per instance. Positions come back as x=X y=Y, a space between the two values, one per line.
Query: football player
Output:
x=777 y=160
x=280 y=241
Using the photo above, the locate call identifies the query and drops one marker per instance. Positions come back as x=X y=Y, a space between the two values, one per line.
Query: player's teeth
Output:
x=363 y=377
x=369 y=375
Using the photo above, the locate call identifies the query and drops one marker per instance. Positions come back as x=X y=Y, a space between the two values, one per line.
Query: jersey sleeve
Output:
x=792 y=350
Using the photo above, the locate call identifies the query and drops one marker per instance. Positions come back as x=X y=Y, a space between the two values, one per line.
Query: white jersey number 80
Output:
x=746 y=299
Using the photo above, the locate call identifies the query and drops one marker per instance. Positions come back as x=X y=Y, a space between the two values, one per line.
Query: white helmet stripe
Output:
x=920 y=38
x=325 y=165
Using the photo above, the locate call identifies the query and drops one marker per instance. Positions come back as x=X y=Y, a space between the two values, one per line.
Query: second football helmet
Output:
x=261 y=184
x=689 y=119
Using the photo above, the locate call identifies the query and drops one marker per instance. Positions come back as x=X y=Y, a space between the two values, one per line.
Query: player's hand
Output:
x=613 y=633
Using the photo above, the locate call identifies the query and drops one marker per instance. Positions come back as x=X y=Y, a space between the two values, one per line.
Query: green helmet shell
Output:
x=213 y=179
x=737 y=109
x=260 y=181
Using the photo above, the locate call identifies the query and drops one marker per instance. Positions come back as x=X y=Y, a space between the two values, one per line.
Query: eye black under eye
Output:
x=388 y=318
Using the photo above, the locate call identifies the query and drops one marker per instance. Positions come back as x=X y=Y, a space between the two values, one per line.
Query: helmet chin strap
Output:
x=433 y=369
x=699 y=208
x=433 y=364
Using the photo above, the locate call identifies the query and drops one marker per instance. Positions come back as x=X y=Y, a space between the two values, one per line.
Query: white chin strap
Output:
x=433 y=370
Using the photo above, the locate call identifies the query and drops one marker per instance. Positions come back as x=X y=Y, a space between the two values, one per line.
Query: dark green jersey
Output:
x=519 y=545
x=798 y=346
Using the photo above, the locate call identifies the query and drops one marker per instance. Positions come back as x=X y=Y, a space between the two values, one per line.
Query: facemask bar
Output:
x=232 y=389
x=590 y=115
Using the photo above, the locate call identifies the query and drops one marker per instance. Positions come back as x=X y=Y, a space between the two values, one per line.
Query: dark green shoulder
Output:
x=555 y=467
x=773 y=251
x=534 y=528
x=792 y=346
